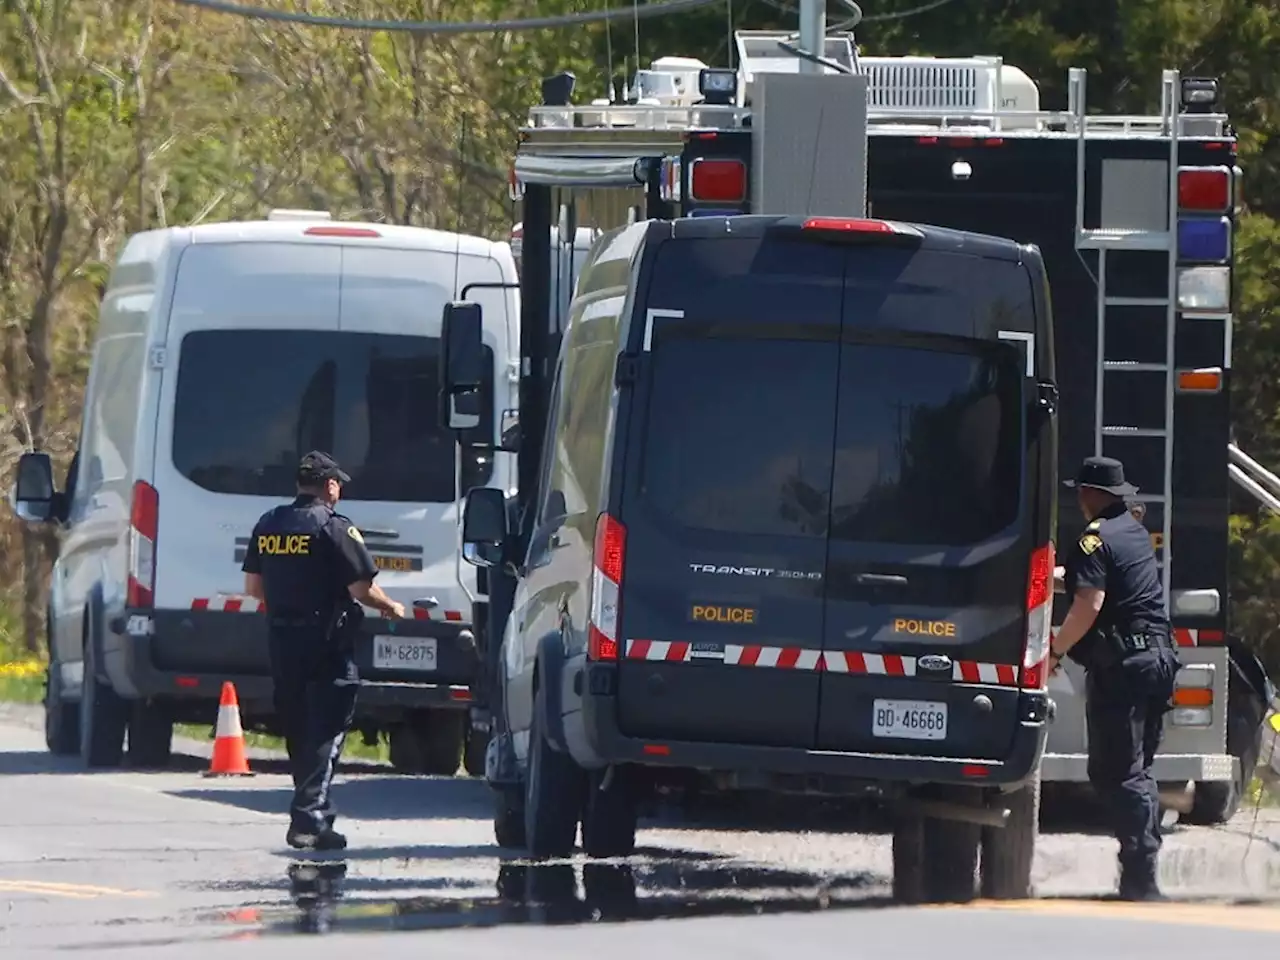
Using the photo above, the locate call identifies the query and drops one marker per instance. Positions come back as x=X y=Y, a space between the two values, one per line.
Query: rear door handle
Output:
x=881 y=580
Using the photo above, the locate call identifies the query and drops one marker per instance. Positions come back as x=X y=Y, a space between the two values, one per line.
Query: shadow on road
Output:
x=369 y=798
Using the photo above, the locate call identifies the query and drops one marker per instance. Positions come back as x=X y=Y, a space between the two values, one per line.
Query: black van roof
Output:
x=926 y=236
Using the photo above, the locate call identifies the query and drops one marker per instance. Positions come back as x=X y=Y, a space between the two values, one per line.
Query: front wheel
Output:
x=61 y=717
x=553 y=792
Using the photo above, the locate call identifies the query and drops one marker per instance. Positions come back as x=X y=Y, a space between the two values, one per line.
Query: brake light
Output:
x=1039 y=615
x=144 y=522
x=847 y=225
x=606 y=588
x=717 y=181
x=341 y=232
x=1204 y=189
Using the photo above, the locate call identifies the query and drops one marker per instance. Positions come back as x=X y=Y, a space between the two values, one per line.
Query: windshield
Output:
x=251 y=402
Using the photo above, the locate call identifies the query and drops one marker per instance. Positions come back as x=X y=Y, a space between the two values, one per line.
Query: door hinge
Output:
x=627 y=371
x=156 y=356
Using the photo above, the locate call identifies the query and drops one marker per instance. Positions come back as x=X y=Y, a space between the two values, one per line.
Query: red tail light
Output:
x=717 y=181
x=144 y=523
x=606 y=588
x=1039 y=614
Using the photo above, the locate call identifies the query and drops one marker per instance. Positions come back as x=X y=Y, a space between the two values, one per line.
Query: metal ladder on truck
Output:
x=1104 y=241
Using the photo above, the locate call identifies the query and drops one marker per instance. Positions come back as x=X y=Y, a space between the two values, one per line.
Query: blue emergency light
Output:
x=1204 y=240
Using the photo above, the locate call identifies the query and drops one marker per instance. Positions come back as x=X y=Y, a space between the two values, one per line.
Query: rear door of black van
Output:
x=727 y=487
x=931 y=541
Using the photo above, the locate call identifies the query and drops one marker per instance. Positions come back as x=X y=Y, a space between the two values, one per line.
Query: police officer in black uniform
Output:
x=309 y=566
x=1118 y=631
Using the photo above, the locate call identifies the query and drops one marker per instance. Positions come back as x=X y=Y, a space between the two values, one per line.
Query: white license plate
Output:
x=404 y=653
x=909 y=719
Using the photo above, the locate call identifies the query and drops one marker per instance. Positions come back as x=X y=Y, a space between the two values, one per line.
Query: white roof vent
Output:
x=299 y=215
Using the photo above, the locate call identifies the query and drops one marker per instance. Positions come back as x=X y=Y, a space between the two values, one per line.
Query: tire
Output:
x=473 y=754
x=405 y=750
x=951 y=856
x=508 y=817
x=150 y=736
x=609 y=816
x=442 y=738
x=1008 y=853
x=429 y=742
x=908 y=860
x=104 y=716
x=1216 y=802
x=61 y=718
x=553 y=793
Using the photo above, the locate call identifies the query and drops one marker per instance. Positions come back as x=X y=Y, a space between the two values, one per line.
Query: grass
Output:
x=21 y=673
x=354 y=749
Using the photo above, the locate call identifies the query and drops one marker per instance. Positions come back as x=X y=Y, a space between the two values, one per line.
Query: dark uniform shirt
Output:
x=308 y=556
x=1114 y=554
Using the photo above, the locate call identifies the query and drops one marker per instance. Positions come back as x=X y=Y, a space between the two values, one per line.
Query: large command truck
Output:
x=1135 y=217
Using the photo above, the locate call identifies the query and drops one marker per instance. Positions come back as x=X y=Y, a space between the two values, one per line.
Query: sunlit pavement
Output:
x=158 y=864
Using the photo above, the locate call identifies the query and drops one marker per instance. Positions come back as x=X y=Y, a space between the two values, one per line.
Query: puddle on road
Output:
x=555 y=894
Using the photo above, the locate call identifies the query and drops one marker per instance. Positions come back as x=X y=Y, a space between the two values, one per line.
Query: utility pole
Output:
x=813 y=32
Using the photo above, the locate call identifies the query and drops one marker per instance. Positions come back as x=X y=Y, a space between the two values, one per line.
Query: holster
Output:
x=344 y=627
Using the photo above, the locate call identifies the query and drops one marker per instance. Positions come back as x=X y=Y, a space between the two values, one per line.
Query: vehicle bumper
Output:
x=608 y=745
x=1168 y=768
x=188 y=655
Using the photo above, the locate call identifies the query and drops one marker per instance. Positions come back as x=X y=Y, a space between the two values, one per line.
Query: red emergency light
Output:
x=341 y=232
x=717 y=181
x=1204 y=188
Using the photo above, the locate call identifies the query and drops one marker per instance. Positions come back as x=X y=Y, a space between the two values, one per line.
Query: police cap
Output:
x=1103 y=473
x=317 y=467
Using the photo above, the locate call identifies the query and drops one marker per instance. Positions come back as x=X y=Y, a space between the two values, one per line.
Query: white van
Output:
x=224 y=352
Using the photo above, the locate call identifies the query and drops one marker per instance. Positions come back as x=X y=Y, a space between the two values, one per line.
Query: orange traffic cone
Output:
x=228 y=739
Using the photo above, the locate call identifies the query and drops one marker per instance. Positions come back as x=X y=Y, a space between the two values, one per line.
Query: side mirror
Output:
x=509 y=442
x=484 y=527
x=33 y=491
x=461 y=366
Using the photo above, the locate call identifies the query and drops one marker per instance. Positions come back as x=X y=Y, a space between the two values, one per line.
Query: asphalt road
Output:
x=138 y=864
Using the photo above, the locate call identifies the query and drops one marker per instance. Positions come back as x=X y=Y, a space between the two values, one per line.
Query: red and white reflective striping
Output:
x=1185 y=637
x=801 y=658
x=1190 y=637
x=229 y=604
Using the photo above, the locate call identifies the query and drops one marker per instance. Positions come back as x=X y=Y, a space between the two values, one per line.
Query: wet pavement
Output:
x=156 y=864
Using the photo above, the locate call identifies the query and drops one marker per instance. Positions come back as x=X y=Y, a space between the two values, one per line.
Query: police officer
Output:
x=1117 y=630
x=309 y=565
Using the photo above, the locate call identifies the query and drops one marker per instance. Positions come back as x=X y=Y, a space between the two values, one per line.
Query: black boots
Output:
x=1138 y=882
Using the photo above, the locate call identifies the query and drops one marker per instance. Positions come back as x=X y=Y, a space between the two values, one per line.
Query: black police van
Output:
x=793 y=533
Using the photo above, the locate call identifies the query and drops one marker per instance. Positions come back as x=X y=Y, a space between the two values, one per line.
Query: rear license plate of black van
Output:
x=909 y=719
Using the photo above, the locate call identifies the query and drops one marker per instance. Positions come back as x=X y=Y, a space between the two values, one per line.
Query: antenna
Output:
x=635 y=8
x=728 y=32
x=457 y=227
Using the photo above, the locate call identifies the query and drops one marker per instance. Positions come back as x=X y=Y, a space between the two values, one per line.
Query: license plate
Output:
x=909 y=719
x=404 y=653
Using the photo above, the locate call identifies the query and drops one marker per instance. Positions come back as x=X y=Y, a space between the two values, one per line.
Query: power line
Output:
x=661 y=8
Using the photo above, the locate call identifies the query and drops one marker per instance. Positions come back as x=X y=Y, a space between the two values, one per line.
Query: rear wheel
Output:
x=104 y=716
x=951 y=859
x=150 y=735
x=1008 y=852
x=609 y=815
x=61 y=717
x=1216 y=802
x=473 y=755
x=908 y=859
x=553 y=792
x=508 y=817
x=429 y=742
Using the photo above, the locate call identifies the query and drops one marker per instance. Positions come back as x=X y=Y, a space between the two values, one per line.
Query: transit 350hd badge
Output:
x=730 y=571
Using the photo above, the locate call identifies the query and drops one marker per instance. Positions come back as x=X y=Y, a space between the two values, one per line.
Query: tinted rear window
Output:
x=251 y=402
x=739 y=436
x=928 y=445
